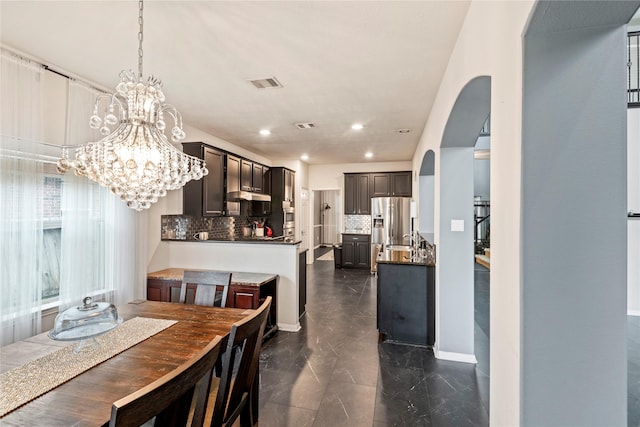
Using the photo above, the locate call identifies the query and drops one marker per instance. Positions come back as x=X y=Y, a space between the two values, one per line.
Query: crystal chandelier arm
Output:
x=177 y=133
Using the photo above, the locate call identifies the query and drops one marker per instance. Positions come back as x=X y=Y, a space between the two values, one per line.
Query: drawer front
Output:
x=356 y=238
x=243 y=298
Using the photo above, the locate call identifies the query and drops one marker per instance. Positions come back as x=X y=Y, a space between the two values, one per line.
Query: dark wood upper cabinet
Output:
x=289 y=186
x=380 y=184
x=257 y=178
x=205 y=197
x=350 y=191
x=357 y=197
x=233 y=183
x=359 y=188
x=281 y=182
x=387 y=184
x=266 y=180
x=364 y=197
x=251 y=176
x=246 y=175
x=227 y=173
x=401 y=184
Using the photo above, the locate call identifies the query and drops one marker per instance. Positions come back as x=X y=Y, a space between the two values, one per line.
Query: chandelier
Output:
x=134 y=159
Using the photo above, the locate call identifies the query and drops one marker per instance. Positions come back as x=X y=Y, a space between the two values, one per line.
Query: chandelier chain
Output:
x=140 y=37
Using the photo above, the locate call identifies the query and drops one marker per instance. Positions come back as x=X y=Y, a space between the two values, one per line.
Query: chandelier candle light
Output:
x=135 y=160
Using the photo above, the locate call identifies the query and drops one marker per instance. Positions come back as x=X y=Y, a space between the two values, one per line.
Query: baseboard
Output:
x=288 y=327
x=633 y=312
x=454 y=357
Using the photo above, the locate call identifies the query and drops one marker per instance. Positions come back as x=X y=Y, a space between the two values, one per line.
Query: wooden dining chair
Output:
x=169 y=398
x=212 y=287
x=235 y=393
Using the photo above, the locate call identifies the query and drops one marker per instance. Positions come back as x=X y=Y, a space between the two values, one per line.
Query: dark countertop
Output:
x=237 y=277
x=402 y=257
x=259 y=240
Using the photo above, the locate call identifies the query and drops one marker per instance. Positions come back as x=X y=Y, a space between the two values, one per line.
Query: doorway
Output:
x=326 y=218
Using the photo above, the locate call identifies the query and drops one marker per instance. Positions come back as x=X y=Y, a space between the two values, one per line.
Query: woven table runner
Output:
x=23 y=384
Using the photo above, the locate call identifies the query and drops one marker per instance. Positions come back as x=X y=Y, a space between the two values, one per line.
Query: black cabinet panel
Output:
x=233 y=183
x=251 y=176
x=257 y=178
x=364 y=198
x=282 y=186
x=227 y=173
x=289 y=186
x=214 y=182
x=356 y=251
x=380 y=185
x=406 y=303
x=350 y=194
x=359 y=188
x=357 y=199
x=363 y=254
x=348 y=254
x=401 y=184
x=246 y=175
x=205 y=197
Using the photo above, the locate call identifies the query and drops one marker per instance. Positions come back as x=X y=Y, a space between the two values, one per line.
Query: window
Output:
x=51 y=237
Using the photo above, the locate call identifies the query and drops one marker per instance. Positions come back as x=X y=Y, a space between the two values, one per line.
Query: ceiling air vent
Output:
x=305 y=125
x=267 y=83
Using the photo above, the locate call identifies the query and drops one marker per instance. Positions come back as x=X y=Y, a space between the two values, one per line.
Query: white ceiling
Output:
x=376 y=63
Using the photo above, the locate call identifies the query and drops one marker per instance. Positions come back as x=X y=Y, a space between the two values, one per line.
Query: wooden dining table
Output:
x=86 y=399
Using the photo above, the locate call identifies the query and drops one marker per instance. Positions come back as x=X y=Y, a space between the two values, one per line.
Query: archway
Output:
x=455 y=273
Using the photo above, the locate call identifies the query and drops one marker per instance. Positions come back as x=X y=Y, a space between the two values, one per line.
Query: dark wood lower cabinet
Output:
x=239 y=296
x=356 y=251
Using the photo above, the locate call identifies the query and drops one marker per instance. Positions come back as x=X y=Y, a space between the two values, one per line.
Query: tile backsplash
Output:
x=357 y=223
x=184 y=227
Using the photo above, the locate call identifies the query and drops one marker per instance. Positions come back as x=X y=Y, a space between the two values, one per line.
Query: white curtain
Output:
x=98 y=230
x=21 y=193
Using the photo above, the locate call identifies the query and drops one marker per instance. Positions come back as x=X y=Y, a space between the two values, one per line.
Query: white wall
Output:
x=330 y=177
x=280 y=259
x=490 y=44
x=633 y=200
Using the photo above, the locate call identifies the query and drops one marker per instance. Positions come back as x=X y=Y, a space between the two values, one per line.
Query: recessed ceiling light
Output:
x=304 y=157
x=357 y=126
x=368 y=154
x=265 y=132
x=407 y=130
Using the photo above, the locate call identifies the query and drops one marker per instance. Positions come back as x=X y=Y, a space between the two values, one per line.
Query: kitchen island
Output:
x=276 y=258
x=406 y=297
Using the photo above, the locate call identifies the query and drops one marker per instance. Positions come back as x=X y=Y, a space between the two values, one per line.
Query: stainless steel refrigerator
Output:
x=390 y=224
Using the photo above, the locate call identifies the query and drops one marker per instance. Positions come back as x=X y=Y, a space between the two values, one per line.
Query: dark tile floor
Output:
x=334 y=372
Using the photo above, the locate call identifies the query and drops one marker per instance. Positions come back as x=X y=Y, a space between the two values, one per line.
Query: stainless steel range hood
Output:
x=239 y=196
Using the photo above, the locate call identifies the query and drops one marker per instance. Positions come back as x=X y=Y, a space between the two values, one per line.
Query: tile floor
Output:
x=334 y=373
